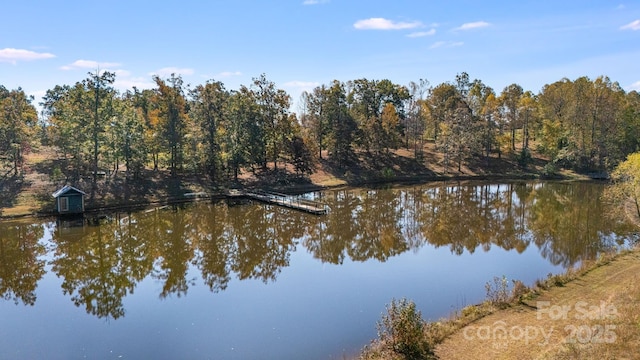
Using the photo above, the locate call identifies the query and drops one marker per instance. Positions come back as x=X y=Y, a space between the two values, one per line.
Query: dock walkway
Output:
x=292 y=202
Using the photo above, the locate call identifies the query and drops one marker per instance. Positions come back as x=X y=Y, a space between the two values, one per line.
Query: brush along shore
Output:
x=592 y=312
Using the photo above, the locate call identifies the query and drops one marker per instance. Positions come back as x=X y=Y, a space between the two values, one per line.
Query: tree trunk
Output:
x=96 y=122
x=524 y=134
x=320 y=146
x=16 y=160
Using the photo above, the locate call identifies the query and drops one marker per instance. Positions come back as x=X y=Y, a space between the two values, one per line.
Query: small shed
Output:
x=69 y=200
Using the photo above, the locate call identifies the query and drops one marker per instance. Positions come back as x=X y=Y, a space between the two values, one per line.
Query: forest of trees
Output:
x=583 y=124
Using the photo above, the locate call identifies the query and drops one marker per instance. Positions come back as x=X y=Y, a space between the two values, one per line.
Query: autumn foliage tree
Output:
x=18 y=121
x=80 y=115
x=314 y=117
x=626 y=188
x=583 y=123
x=367 y=100
x=273 y=120
x=128 y=129
x=172 y=107
x=208 y=110
x=342 y=126
x=415 y=120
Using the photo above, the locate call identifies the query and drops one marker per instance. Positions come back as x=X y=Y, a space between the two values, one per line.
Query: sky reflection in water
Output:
x=209 y=280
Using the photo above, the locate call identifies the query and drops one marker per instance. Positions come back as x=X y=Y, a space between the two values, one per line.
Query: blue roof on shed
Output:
x=65 y=190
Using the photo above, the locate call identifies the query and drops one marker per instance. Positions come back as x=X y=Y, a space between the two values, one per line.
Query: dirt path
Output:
x=596 y=316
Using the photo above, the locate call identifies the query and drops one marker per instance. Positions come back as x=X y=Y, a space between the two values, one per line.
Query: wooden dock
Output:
x=289 y=201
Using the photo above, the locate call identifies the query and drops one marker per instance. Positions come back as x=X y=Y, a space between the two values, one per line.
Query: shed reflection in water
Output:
x=214 y=244
x=100 y=265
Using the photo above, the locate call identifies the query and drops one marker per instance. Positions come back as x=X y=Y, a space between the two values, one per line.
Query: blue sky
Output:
x=300 y=44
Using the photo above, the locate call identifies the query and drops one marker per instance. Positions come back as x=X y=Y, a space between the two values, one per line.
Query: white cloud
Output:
x=422 y=33
x=227 y=74
x=172 y=70
x=122 y=73
x=473 y=25
x=89 y=64
x=635 y=86
x=446 y=44
x=634 y=25
x=127 y=83
x=385 y=24
x=14 y=55
x=296 y=88
x=314 y=2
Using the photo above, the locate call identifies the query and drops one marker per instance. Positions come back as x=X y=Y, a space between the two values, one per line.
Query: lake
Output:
x=211 y=281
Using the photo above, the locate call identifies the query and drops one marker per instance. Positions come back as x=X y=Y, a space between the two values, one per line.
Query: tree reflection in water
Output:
x=100 y=265
x=20 y=266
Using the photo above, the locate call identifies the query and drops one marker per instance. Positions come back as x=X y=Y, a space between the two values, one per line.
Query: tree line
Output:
x=205 y=129
x=584 y=124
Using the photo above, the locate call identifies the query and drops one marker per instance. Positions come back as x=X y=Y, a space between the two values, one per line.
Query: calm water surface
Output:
x=209 y=281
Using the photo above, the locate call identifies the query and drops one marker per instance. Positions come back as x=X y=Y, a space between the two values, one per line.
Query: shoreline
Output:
x=295 y=189
x=563 y=319
x=29 y=193
x=588 y=312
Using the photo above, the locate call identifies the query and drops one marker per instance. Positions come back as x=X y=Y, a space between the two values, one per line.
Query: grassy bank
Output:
x=590 y=312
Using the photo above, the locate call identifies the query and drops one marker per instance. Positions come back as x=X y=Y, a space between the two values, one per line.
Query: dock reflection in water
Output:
x=215 y=245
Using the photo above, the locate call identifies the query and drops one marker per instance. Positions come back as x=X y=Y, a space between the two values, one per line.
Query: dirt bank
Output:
x=596 y=316
x=29 y=193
